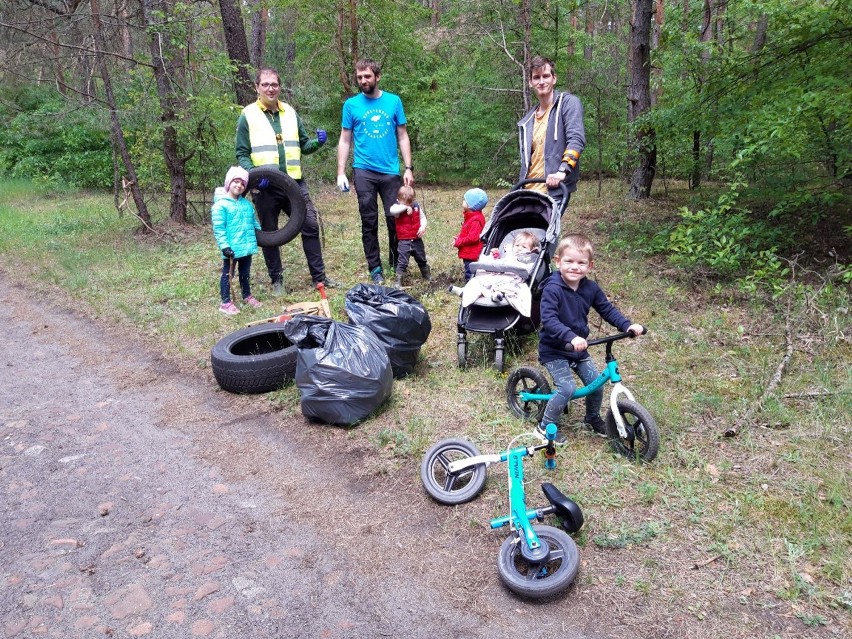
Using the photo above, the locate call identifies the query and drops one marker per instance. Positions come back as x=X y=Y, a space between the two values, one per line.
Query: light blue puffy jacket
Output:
x=234 y=223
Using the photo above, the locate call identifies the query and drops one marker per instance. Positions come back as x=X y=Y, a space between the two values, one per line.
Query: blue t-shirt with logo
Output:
x=373 y=122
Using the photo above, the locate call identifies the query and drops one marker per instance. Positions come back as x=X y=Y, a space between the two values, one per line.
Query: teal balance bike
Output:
x=535 y=561
x=631 y=430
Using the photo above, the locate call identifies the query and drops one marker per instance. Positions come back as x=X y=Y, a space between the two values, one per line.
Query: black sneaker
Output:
x=596 y=425
x=377 y=276
x=540 y=432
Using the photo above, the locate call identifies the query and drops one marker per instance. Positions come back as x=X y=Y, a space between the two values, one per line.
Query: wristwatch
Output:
x=409 y=167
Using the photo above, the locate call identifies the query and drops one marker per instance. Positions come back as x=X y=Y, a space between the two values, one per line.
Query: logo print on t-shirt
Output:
x=376 y=124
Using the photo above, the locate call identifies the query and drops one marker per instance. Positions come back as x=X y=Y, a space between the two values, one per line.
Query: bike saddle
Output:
x=568 y=512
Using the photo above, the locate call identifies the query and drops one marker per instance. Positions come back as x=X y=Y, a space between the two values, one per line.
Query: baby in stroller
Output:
x=502 y=278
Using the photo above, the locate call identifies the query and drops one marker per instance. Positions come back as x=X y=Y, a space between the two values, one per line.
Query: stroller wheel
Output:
x=462 y=350
x=498 y=359
x=499 y=350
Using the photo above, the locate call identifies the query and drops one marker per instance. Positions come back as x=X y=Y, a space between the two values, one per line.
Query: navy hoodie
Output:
x=565 y=315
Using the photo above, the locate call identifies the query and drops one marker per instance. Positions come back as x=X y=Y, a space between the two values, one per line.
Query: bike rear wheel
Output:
x=645 y=441
x=530 y=380
x=446 y=487
x=542 y=579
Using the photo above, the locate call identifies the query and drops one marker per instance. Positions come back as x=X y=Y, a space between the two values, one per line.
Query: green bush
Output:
x=52 y=145
x=726 y=240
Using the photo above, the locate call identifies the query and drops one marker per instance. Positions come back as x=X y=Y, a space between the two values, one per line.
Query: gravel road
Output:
x=139 y=500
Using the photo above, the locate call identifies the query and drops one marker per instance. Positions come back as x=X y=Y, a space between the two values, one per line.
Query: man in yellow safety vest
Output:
x=269 y=132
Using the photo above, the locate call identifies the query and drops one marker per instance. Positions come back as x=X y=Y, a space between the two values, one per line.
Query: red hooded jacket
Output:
x=467 y=241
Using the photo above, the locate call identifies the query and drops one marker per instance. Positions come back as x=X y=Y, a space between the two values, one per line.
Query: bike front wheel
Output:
x=643 y=439
x=530 y=380
x=446 y=487
x=541 y=579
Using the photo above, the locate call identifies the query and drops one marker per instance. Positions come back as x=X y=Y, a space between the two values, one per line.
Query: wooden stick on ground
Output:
x=770 y=388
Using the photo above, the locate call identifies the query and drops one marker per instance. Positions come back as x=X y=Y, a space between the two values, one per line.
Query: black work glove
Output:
x=228 y=252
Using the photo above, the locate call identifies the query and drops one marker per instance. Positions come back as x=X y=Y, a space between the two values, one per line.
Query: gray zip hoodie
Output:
x=565 y=132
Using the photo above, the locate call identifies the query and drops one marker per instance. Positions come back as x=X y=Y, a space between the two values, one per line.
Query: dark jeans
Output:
x=411 y=248
x=369 y=185
x=268 y=203
x=467 y=272
x=244 y=269
x=563 y=378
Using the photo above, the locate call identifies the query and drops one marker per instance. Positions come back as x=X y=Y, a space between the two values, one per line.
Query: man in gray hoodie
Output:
x=551 y=136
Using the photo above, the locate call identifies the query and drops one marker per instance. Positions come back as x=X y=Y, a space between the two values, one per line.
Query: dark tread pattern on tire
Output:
x=298 y=208
x=257 y=359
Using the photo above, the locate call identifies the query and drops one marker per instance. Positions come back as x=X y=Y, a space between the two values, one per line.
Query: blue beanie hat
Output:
x=476 y=199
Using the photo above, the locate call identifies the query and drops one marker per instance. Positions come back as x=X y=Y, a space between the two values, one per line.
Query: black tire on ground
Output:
x=530 y=380
x=440 y=484
x=293 y=205
x=257 y=359
x=538 y=580
x=646 y=442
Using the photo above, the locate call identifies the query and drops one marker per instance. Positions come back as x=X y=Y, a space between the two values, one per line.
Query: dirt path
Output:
x=141 y=501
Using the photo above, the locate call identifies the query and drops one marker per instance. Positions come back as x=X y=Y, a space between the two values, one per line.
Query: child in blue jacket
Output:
x=566 y=299
x=234 y=224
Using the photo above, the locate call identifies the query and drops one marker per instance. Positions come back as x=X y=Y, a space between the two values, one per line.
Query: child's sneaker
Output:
x=228 y=308
x=541 y=432
x=252 y=301
x=596 y=425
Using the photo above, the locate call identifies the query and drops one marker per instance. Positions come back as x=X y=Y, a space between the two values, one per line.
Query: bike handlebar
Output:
x=608 y=339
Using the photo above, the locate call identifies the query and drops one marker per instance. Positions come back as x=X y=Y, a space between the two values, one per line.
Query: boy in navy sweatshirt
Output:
x=566 y=299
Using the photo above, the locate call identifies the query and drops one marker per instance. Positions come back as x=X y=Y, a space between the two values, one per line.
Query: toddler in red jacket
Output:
x=410 y=228
x=467 y=241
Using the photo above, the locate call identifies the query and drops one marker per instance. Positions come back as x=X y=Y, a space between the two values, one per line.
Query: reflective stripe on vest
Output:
x=264 y=142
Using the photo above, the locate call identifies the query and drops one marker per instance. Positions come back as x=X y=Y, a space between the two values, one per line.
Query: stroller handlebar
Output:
x=562 y=187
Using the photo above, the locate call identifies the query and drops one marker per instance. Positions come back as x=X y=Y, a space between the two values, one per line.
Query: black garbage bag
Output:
x=400 y=321
x=342 y=370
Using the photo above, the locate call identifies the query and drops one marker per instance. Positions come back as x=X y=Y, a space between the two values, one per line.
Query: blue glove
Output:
x=322 y=136
x=263 y=184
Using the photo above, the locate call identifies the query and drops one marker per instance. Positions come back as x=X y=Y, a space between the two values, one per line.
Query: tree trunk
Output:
x=590 y=32
x=705 y=39
x=169 y=78
x=347 y=54
x=760 y=33
x=525 y=22
x=659 y=20
x=259 y=23
x=237 y=45
x=436 y=12
x=115 y=124
x=639 y=99
x=570 y=48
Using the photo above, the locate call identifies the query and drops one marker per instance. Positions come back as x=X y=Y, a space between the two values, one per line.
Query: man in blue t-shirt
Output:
x=376 y=121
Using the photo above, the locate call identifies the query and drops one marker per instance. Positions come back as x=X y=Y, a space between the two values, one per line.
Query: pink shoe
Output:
x=251 y=300
x=228 y=308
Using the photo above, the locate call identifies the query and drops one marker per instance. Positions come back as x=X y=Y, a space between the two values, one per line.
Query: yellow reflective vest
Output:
x=265 y=142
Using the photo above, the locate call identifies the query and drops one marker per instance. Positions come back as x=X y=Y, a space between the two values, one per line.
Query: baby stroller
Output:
x=518 y=210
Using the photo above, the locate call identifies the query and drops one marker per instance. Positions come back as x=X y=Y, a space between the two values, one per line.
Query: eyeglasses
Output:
x=269 y=85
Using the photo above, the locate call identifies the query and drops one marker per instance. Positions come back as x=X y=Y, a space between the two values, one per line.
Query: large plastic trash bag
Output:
x=399 y=320
x=342 y=370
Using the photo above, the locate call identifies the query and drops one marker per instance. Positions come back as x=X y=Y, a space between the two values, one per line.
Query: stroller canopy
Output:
x=523 y=208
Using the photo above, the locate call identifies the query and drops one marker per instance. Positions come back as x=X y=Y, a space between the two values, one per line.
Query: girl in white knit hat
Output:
x=234 y=224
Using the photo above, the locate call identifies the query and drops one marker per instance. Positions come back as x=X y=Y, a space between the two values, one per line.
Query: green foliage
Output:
x=725 y=240
x=45 y=142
